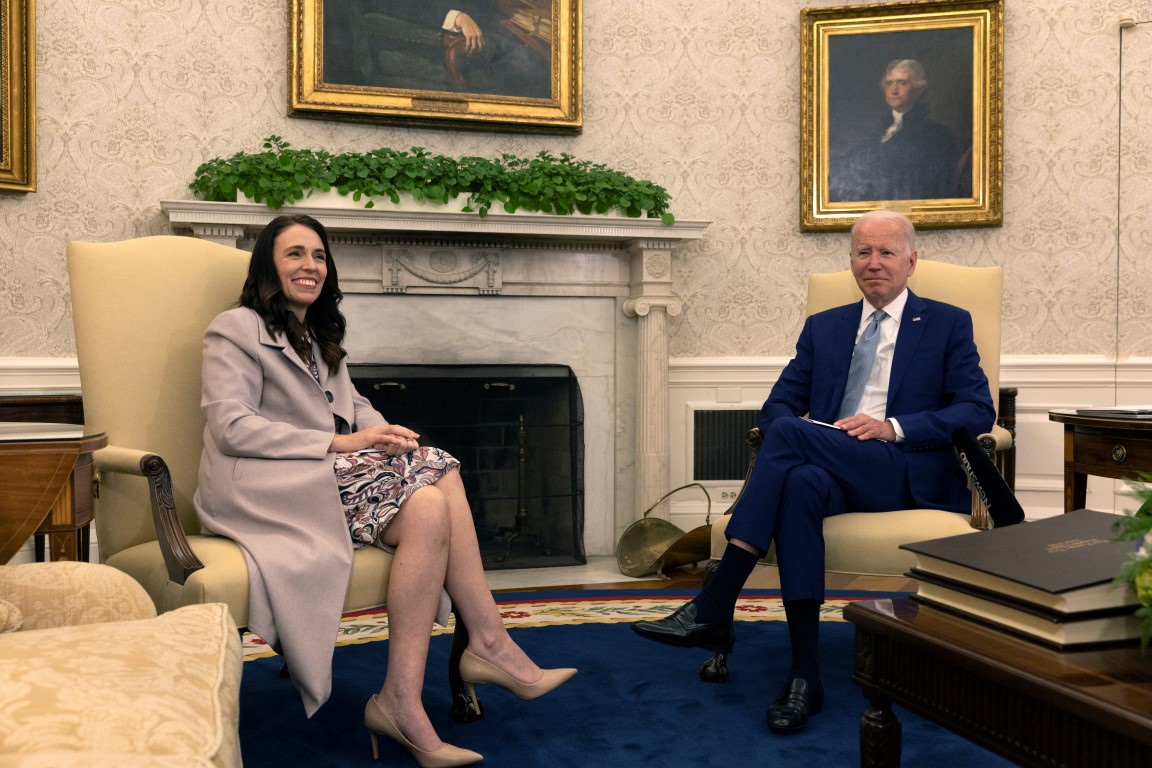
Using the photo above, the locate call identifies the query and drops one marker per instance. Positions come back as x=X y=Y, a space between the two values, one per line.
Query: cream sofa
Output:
x=91 y=676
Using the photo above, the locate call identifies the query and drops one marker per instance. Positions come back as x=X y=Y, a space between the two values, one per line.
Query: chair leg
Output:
x=284 y=672
x=465 y=708
x=715 y=670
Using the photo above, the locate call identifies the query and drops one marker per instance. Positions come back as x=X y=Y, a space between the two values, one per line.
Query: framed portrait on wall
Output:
x=489 y=64
x=902 y=109
x=17 y=95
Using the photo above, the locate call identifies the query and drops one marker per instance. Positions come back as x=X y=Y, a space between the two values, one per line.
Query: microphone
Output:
x=998 y=498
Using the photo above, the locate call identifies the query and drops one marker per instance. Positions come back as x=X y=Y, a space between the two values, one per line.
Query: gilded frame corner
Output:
x=18 y=96
x=846 y=171
x=350 y=61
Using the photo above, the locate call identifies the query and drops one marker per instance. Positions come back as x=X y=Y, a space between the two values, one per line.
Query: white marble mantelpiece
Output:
x=591 y=292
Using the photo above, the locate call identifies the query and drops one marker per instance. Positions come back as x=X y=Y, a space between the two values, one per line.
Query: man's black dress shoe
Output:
x=681 y=629
x=796 y=702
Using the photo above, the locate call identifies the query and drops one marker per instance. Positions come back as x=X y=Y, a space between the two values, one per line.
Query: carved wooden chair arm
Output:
x=179 y=558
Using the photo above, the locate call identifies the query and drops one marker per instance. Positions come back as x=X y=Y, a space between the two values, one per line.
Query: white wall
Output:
x=133 y=95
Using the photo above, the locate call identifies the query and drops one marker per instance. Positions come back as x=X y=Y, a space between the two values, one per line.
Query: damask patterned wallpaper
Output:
x=134 y=94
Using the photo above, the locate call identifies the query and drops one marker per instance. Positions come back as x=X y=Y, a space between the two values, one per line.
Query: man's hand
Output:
x=473 y=35
x=864 y=427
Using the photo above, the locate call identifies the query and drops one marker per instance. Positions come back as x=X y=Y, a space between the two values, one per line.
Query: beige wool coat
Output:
x=266 y=481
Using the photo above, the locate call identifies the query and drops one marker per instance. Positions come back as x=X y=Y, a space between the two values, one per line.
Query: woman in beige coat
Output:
x=297 y=467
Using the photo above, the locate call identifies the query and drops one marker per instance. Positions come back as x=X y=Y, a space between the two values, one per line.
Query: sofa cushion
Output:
x=161 y=691
x=10 y=618
x=55 y=758
x=67 y=593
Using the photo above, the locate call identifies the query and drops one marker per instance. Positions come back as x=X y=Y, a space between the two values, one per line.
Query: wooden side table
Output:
x=1101 y=446
x=46 y=475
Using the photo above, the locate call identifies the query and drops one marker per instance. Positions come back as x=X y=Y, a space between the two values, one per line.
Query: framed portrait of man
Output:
x=902 y=109
x=17 y=95
x=496 y=64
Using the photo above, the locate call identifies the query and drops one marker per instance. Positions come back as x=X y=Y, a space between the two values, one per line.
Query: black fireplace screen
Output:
x=518 y=431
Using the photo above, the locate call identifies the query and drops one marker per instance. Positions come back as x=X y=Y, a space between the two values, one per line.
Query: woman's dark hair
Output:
x=263 y=294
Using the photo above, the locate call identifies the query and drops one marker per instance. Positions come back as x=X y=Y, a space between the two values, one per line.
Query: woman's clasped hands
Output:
x=390 y=439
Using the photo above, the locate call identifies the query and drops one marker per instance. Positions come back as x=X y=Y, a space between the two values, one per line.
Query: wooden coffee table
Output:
x=1029 y=703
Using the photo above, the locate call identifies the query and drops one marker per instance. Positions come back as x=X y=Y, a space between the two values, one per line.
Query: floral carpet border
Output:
x=372 y=625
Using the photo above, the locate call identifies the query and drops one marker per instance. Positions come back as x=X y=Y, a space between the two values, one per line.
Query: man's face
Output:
x=881 y=260
x=899 y=92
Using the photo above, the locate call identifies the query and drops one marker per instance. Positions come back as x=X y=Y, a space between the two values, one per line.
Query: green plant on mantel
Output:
x=1137 y=570
x=282 y=175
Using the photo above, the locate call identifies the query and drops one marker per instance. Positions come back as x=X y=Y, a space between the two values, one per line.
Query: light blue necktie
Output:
x=863 y=356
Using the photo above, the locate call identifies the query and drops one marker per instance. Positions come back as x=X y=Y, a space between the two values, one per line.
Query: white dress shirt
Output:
x=874 y=401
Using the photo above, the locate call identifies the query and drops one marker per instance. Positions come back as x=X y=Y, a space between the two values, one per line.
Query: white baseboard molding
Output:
x=39 y=376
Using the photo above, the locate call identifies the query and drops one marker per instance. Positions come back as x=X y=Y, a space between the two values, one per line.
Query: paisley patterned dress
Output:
x=373 y=486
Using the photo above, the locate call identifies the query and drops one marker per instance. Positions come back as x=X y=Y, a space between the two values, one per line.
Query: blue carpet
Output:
x=634 y=703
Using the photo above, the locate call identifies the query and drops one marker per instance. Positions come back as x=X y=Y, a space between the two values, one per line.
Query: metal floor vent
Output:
x=718 y=448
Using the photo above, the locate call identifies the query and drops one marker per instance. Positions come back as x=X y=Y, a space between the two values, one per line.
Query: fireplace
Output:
x=518 y=431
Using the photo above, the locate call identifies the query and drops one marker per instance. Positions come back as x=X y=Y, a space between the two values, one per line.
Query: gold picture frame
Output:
x=941 y=163
x=499 y=65
x=18 y=95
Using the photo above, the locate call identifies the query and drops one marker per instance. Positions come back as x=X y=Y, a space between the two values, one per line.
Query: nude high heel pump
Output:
x=474 y=669
x=447 y=756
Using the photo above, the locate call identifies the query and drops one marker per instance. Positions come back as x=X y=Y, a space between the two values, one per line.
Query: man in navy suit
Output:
x=886 y=447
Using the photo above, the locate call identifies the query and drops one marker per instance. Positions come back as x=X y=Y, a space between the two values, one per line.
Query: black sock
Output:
x=804 y=634
x=717 y=600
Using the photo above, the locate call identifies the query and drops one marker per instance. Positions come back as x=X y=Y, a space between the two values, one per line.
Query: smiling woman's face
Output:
x=302 y=265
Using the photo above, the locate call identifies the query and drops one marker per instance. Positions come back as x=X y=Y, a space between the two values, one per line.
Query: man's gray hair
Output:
x=914 y=69
x=881 y=213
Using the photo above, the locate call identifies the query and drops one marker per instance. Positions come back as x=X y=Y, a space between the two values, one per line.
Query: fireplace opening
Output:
x=518 y=431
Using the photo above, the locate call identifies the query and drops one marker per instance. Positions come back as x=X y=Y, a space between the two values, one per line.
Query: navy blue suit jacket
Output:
x=936 y=386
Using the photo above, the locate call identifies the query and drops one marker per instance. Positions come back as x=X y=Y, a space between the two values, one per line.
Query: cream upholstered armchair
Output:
x=869 y=543
x=140 y=308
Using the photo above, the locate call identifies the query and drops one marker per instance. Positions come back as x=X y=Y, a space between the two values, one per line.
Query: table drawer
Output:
x=1111 y=455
